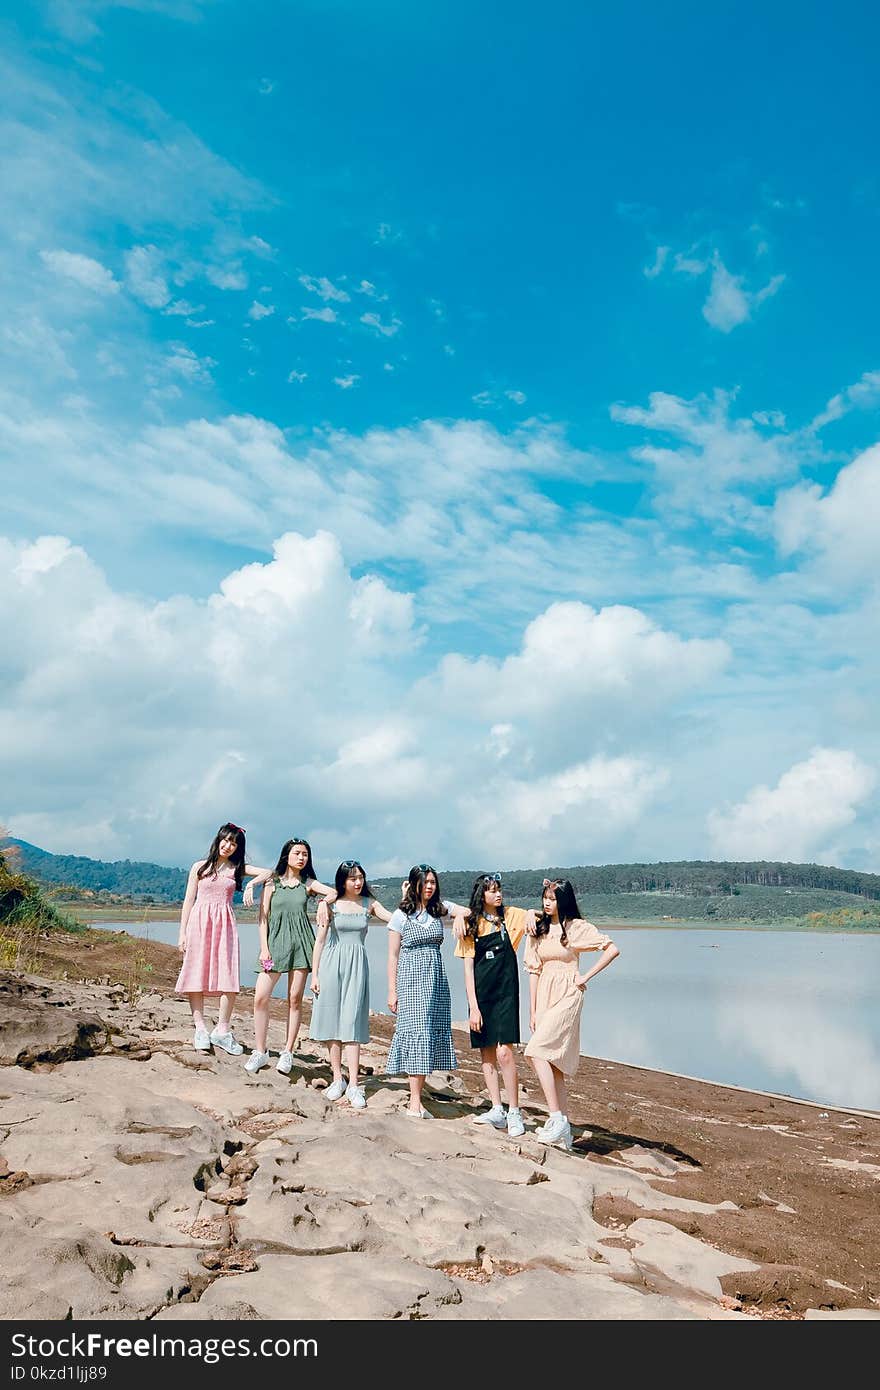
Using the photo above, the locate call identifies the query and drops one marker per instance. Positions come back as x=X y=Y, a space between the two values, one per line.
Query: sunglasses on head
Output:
x=350 y=864
x=425 y=868
x=491 y=878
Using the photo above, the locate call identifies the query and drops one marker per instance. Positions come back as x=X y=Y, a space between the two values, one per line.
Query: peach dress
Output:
x=558 y=1006
x=211 y=958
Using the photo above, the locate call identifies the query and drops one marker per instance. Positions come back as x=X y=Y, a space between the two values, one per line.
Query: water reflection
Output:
x=774 y=1011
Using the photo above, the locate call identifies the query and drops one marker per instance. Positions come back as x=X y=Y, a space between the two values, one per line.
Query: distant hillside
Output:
x=681 y=890
x=121 y=876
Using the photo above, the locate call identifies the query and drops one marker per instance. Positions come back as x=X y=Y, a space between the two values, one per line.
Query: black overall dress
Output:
x=496 y=981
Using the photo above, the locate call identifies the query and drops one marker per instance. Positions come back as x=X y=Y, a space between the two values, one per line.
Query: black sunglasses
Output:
x=426 y=868
x=351 y=864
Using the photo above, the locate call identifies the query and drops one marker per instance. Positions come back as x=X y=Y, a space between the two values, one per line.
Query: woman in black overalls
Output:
x=491 y=975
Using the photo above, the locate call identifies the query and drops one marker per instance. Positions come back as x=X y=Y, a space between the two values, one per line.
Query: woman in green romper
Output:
x=286 y=944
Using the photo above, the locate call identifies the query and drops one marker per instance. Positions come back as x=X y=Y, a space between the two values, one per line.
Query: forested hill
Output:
x=121 y=876
x=685 y=879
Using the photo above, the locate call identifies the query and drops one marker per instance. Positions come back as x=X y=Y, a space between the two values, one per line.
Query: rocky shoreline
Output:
x=140 y=1180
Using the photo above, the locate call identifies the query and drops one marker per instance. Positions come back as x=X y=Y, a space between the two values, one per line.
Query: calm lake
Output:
x=787 y=1011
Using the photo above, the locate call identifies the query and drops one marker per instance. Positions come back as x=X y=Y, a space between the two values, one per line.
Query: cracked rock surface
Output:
x=149 y=1187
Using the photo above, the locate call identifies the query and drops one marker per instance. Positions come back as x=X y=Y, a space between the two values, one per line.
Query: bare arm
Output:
x=268 y=893
x=606 y=956
x=320 y=942
x=377 y=910
x=533 y=999
x=459 y=923
x=476 y=1018
x=393 y=958
x=192 y=887
x=321 y=889
x=260 y=876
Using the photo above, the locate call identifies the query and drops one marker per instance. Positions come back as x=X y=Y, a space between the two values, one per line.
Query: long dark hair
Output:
x=236 y=859
x=478 y=902
x=566 y=906
x=411 y=902
x=342 y=873
x=282 y=866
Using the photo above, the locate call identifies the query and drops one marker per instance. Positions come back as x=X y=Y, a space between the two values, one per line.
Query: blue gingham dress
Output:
x=423 y=1037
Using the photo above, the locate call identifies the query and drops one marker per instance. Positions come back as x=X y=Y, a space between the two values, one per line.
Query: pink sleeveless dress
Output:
x=211 y=958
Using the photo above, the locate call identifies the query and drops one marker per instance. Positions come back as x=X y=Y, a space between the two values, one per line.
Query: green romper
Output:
x=291 y=937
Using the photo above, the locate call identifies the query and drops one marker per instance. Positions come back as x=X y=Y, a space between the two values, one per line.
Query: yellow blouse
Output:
x=514 y=924
x=581 y=936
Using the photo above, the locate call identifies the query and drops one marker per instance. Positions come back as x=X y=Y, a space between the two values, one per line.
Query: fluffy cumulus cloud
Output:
x=800 y=816
x=299 y=691
x=839 y=526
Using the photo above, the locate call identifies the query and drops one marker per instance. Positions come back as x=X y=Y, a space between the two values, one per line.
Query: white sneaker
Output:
x=256 y=1060
x=227 y=1042
x=355 y=1097
x=515 y=1126
x=337 y=1090
x=417 y=1114
x=495 y=1117
x=285 y=1063
x=556 y=1132
x=201 y=1041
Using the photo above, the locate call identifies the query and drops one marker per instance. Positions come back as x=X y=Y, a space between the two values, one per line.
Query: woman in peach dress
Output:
x=557 y=997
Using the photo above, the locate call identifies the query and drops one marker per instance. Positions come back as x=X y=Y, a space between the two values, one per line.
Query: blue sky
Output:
x=550 y=346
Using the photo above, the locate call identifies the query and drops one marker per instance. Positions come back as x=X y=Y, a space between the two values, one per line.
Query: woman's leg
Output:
x=561 y=1091
x=197 y=1006
x=224 y=1018
x=266 y=982
x=507 y=1063
x=335 y=1049
x=488 y=1059
x=296 y=984
x=353 y=1057
x=415 y=1093
x=548 y=1076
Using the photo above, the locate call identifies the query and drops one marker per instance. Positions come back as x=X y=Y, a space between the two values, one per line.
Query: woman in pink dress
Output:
x=208 y=938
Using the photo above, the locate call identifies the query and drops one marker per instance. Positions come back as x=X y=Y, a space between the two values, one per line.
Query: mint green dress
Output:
x=290 y=933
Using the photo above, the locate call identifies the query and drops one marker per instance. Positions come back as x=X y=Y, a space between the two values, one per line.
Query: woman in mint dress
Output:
x=341 y=978
x=286 y=945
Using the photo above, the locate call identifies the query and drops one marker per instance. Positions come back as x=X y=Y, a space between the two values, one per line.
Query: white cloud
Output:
x=483 y=399
x=810 y=803
x=266 y=87
x=184 y=362
x=77 y=19
x=83 y=270
x=387 y=330
x=728 y=303
x=369 y=289
x=167 y=714
x=840 y=526
x=518 y=397
x=714 y=460
x=862 y=395
x=660 y=258
x=346 y=382
x=260 y=311
x=326 y=315
x=144 y=276
x=227 y=277
x=324 y=288
x=294 y=375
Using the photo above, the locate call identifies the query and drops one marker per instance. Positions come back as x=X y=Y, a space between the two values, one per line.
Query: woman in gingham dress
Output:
x=418 y=991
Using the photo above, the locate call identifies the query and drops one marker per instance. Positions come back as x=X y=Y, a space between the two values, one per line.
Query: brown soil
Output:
x=762 y=1153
